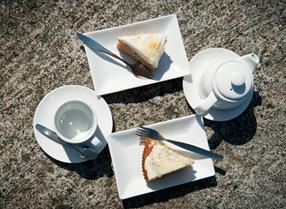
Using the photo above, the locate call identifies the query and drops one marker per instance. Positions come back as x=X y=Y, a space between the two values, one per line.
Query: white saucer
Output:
x=190 y=83
x=50 y=103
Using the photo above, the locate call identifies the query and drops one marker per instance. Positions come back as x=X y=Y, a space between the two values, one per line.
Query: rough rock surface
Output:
x=39 y=52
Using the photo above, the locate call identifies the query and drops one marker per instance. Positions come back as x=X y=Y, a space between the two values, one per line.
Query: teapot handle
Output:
x=206 y=104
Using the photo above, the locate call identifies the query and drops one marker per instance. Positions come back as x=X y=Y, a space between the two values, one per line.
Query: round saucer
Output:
x=47 y=108
x=191 y=82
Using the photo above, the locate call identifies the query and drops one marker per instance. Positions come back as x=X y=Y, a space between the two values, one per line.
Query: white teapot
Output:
x=226 y=85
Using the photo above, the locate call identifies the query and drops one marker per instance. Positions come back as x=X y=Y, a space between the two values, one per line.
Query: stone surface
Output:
x=39 y=52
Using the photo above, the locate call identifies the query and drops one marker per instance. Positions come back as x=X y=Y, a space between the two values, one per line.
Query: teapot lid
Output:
x=233 y=80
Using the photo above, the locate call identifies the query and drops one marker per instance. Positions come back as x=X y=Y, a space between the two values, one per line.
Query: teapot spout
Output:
x=250 y=60
x=206 y=104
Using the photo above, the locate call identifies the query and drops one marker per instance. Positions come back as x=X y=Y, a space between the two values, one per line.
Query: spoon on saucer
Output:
x=85 y=151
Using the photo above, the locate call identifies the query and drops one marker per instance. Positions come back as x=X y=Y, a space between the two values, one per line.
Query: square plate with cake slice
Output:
x=157 y=43
x=128 y=154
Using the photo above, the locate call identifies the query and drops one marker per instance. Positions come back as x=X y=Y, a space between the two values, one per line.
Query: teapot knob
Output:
x=237 y=79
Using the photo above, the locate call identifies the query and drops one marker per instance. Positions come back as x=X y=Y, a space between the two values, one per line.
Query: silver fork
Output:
x=152 y=133
x=137 y=68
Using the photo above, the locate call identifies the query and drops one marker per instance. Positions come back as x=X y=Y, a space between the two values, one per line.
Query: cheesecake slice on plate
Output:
x=159 y=159
x=146 y=48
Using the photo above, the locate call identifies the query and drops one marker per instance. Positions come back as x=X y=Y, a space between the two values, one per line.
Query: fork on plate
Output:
x=153 y=134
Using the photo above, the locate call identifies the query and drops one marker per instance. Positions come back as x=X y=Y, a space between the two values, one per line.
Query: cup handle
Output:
x=206 y=104
x=91 y=148
x=95 y=142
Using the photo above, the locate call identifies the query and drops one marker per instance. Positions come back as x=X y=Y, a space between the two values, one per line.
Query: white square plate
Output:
x=126 y=153
x=110 y=75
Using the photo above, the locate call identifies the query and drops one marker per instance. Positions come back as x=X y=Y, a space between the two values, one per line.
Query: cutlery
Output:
x=152 y=133
x=137 y=68
x=84 y=150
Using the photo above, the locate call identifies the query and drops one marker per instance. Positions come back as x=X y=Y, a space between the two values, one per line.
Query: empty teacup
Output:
x=76 y=123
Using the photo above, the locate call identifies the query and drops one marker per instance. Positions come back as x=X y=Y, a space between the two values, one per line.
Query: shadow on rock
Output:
x=92 y=169
x=144 y=93
x=237 y=131
x=170 y=193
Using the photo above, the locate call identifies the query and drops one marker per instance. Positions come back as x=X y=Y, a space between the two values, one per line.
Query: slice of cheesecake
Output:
x=146 y=48
x=159 y=159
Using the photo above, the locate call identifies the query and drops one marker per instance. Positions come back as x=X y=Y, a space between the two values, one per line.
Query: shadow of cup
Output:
x=90 y=169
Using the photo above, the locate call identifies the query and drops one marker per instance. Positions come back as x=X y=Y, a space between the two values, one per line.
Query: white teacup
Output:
x=76 y=123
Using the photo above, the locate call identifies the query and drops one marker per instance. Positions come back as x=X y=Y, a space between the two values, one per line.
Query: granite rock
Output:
x=39 y=52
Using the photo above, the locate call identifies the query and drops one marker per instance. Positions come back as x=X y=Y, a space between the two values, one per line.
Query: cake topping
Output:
x=145 y=48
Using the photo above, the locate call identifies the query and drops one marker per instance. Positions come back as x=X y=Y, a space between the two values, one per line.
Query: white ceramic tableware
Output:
x=45 y=115
x=75 y=122
x=126 y=153
x=110 y=75
x=220 y=85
